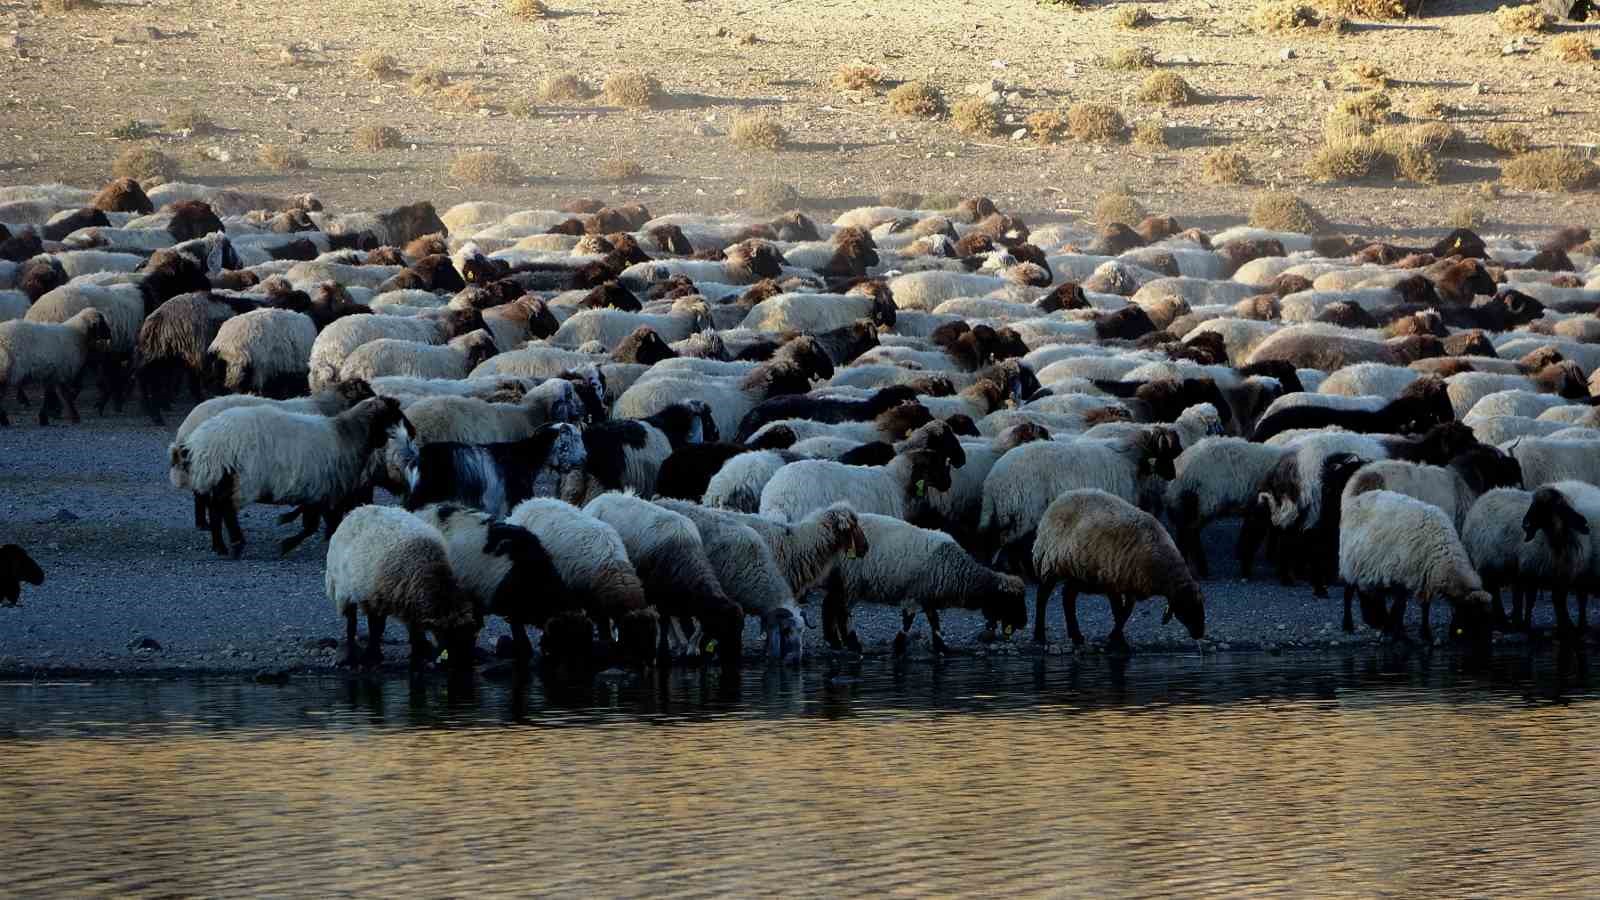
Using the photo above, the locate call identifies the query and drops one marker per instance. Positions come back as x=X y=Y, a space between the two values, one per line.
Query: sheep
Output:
x=1564 y=379
x=386 y=562
x=408 y=390
x=1548 y=460
x=679 y=581
x=915 y=569
x=1567 y=514
x=801 y=487
x=175 y=338
x=1089 y=540
x=502 y=568
x=628 y=453
x=819 y=313
x=264 y=351
x=822 y=409
x=789 y=372
x=389 y=356
x=745 y=262
x=1420 y=406
x=16 y=569
x=611 y=326
x=1317 y=347
x=1389 y=542
x=1368 y=380
x=53 y=356
x=1453 y=487
x=341 y=338
x=493 y=477
x=1213 y=478
x=593 y=563
x=469 y=420
x=1516 y=402
x=264 y=454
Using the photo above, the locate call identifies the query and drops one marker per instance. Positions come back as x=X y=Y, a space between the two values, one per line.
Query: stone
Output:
x=144 y=645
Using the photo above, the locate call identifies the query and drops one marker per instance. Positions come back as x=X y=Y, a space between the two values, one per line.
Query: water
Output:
x=1330 y=776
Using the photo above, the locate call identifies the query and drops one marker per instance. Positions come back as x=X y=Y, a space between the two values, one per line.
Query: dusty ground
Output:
x=70 y=79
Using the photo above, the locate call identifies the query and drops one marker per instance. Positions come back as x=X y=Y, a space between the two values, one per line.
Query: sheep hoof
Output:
x=900 y=645
x=238 y=550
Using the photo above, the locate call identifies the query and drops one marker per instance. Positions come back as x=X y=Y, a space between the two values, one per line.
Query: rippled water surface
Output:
x=1320 y=776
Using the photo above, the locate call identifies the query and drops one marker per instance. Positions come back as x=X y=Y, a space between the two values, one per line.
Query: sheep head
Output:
x=16 y=568
x=1187 y=605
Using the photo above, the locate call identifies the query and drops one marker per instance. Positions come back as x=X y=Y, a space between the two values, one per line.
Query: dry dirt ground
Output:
x=285 y=73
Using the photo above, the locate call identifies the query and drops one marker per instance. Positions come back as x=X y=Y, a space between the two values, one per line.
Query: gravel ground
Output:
x=124 y=568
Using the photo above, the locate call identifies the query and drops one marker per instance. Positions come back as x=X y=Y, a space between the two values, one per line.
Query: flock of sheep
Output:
x=633 y=431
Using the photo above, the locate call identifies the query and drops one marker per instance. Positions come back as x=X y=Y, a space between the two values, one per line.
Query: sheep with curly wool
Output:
x=896 y=489
x=391 y=356
x=264 y=351
x=1090 y=540
x=469 y=420
x=342 y=337
x=53 y=356
x=384 y=562
x=174 y=341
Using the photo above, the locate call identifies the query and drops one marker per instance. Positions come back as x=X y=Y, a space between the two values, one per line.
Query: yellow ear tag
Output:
x=910 y=432
x=711 y=645
x=850 y=552
x=444 y=656
x=922 y=488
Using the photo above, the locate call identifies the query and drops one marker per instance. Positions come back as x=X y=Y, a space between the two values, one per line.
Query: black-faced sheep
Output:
x=16 y=569
x=494 y=477
x=1422 y=405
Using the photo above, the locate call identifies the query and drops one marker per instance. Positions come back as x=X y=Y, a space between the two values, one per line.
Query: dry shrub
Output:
x=1167 y=88
x=1522 y=19
x=378 y=64
x=1150 y=134
x=1365 y=74
x=1286 y=15
x=1555 y=169
x=1572 y=48
x=1346 y=159
x=748 y=39
x=140 y=163
x=1095 y=122
x=1408 y=153
x=1508 y=139
x=1224 y=167
x=1436 y=136
x=974 y=117
x=431 y=78
x=901 y=199
x=759 y=131
x=1132 y=17
x=772 y=196
x=632 y=90
x=1341 y=125
x=1413 y=161
x=1427 y=105
x=1118 y=207
x=1467 y=215
x=1283 y=211
x=1370 y=108
x=189 y=119
x=281 y=159
x=916 y=99
x=943 y=200
x=464 y=95
x=1131 y=58
x=563 y=88
x=131 y=130
x=484 y=168
x=621 y=170
x=521 y=107
x=857 y=77
x=1045 y=126
x=373 y=138
x=1379 y=10
x=527 y=9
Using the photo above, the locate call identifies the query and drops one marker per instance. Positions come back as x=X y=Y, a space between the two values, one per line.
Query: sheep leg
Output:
x=522 y=648
x=44 y=405
x=1069 y=609
x=1041 y=600
x=197 y=386
x=200 y=518
x=1251 y=533
x=907 y=617
x=1121 y=608
x=235 y=533
x=311 y=517
x=215 y=501
x=352 y=656
x=421 y=650
x=5 y=421
x=940 y=648
x=1427 y=625
x=1349 y=623
x=1530 y=599
x=1558 y=599
x=22 y=398
x=148 y=391
x=376 y=623
x=1397 y=616
x=1373 y=611
x=70 y=396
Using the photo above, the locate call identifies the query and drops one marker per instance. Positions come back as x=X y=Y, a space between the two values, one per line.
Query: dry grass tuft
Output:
x=1346 y=159
x=431 y=78
x=527 y=9
x=564 y=88
x=759 y=131
x=484 y=168
x=1286 y=15
x=281 y=159
x=373 y=138
x=464 y=95
x=189 y=119
x=1131 y=58
x=1365 y=74
x=1467 y=215
x=901 y=199
x=1132 y=17
x=621 y=170
x=1283 y=211
x=140 y=163
x=1045 y=126
x=916 y=99
x=857 y=77
x=1167 y=88
x=1527 y=19
x=974 y=117
x=1406 y=153
x=1508 y=139
x=1370 y=108
x=1379 y=10
x=1436 y=136
x=1224 y=167
x=748 y=39
x=1572 y=48
x=1149 y=133
x=631 y=90
x=59 y=7
x=1095 y=122
x=131 y=130
x=521 y=107
x=1554 y=169
x=378 y=64
x=1428 y=105
x=1118 y=207
x=772 y=196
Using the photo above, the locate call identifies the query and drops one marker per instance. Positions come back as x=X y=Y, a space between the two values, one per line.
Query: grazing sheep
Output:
x=16 y=569
x=1090 y=540
x=51 y=355
x=493 y=477
x=802 y=487
x=341 y=338
x=389 y=356
x=1567 y=514
x=468 y=420
x=265 y=351
x=1214 y=478
x=386 y=562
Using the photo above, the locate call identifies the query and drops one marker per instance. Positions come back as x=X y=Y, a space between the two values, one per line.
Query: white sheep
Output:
x=469 y=420
x=51 y=355
x=892 y=490
x=611 y=326
x=265 y=351
x=1369 y=380
x=1214 y=478
x=1547 y=460
x=341 y=338
x=388 y=356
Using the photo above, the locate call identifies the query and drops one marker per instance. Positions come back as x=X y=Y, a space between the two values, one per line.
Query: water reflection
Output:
x=1326 y=775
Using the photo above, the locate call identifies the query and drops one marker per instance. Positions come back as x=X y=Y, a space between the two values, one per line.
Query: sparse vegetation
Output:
x=1379 y=10
x=430 y=78
x=1149 y=133
x=1370 y=108
x=564 y=88
x=58 y=7
x=1365 y=74
x=857 y=77
x=1095 y=122
x=1224 y=167
x=521 y=107
x=1526 y=19
x=189 y=119
x=631 y=90
x=1553 y=169
x=1427 y=105
x=1286 y=15
x=484 y=167
x=901 y=199
x=527 y=9
x=1131 y=58
x=1045 y=126
x=1406 y=153
x=974 y=117
x=467 y=95
x=378 y=64
x=140 y=163
x=1436 y=136
x=1467 y=215
x=1132 y=17
x=1167 y=88
x=373 y=138
x=1283 y=211
x=1346 y=159
x=618 y=169
x=1572 y=48
x=281 y=159
x=1117 y=206
x=131 y=130
x=1508 y=139
x=916 y=99
x=772 y=196
x=759 y=131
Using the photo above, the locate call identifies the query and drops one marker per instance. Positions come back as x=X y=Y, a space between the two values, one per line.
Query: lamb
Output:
x=468 y=420
x=1391 y=543
x=265 y=351
x=802 y=487
x=1215 y=478
x=593 y=564
x=389 y=356
x=386 y=562
x=1420 y=406
x=916 y=569
x=679 y=581
x=341 y=338
x=52 y=356
x=264 y=454
x=1090 y=540
x=502 y=568
x=16 y=568
x=493 y=477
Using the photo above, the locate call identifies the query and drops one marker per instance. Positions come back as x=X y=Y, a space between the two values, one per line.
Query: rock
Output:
x=1286 y=54
x=63 y=515
x=272 y=676
x=144 y=644
x=1019 y=134
x=293 y=92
